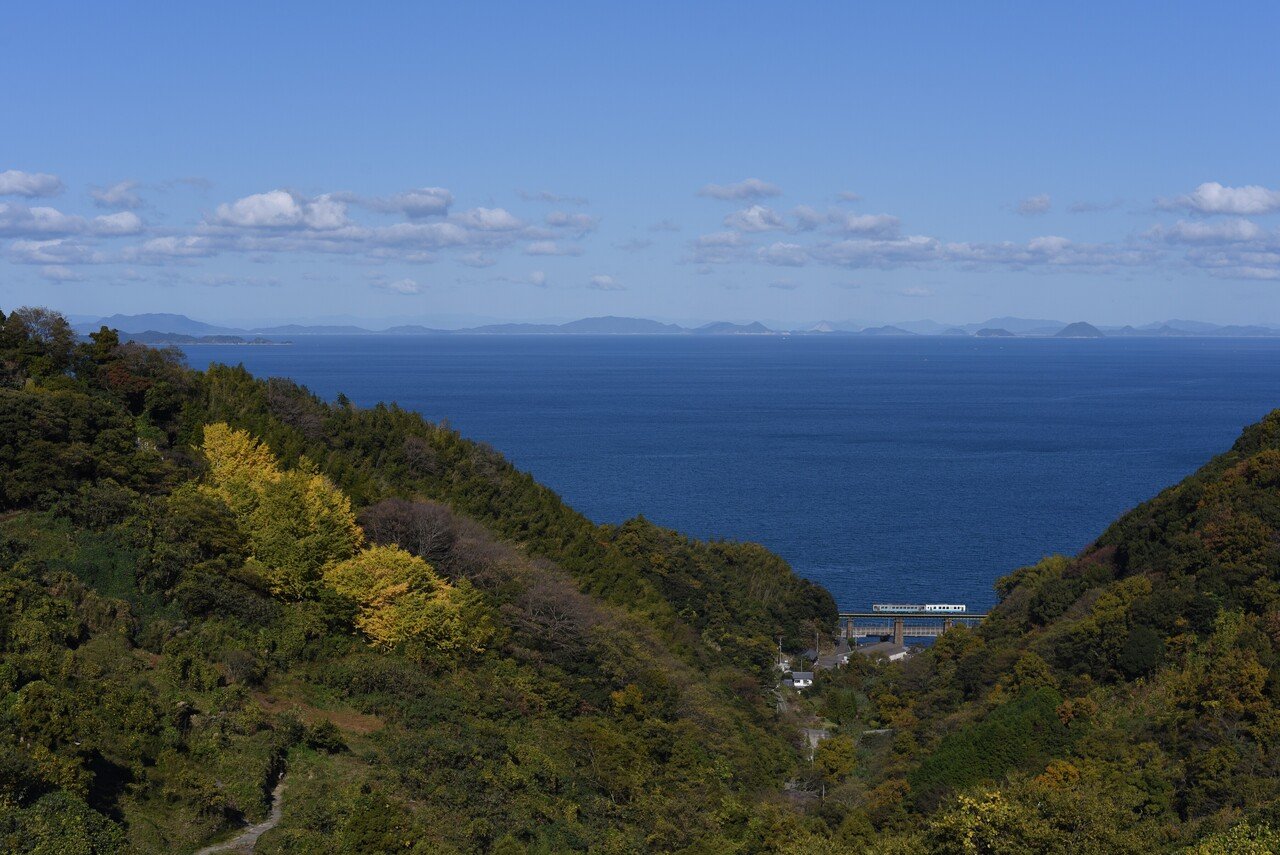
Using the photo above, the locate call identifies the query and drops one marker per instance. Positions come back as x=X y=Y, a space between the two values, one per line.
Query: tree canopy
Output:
x=208 y=579
x=192 y=606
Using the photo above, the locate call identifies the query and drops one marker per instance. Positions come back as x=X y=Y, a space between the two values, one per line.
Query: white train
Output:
x=917 y=608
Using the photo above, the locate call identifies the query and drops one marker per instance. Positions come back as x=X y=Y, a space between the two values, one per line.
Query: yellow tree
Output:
x=400 y=599
x=296 y=521
x=239 y=467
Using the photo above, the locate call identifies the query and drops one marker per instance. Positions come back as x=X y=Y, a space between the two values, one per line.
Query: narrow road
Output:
x=248 y=839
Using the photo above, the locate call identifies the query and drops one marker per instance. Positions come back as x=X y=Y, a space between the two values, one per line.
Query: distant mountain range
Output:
x=160 y=328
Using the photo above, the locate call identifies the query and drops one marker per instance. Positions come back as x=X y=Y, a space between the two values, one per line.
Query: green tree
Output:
x=836 y=758
x=988 y=823
x=1243 y=839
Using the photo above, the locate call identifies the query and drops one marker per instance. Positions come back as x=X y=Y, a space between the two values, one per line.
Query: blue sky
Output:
x=393 y=162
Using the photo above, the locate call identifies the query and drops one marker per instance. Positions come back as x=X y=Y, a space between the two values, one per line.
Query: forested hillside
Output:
x=209 y=579
x=1124 y=700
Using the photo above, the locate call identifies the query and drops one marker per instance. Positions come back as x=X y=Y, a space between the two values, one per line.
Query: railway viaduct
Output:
x=898 y=627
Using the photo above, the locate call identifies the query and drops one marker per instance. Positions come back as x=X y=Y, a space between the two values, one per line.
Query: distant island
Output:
x=164 y=329
x=1079 y=329
x=885 y=330
x=164 y=338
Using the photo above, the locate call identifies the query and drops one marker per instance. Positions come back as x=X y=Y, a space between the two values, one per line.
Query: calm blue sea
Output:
x=915 y=469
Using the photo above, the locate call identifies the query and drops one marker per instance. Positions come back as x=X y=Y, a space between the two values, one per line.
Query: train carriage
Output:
x=918 y=608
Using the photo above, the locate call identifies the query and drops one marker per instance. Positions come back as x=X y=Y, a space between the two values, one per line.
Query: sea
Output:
x=914 y=469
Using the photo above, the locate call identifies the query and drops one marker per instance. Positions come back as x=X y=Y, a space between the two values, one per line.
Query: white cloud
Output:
x=280 y=209
x=1238 y=262
x=489 y=219
x=784 y=285
x=916 y=291
x=784 y=254
x=171 y=247
x=1233 y=230
x=1049 y=244
x=720 y=239
x=427 y=235
x=807 y=218
x=1033 y=205
x=402 y=286
x=1213 y=198
x=414 y=204
x=262 y=225
x=719 y=248
x=280 y=222
x=848 y=196
x=578 y=224
x=29 y=184
x=59 y=273
x=600 y=282
x=19 y=220
x=324 y=212
x=1233 y=248
x=865 y=224
x=550 y=247
x=118 y=195
x=868 y=252
x=57 y=251
x=752 y=188
x=757 y=218
x=1049 y=251
x=115 y=225
x=276 y=209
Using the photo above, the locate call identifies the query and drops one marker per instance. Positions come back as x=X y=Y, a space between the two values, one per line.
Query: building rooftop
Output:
x=887 y=649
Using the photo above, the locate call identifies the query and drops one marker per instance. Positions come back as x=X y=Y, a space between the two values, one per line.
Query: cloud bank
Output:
x=1221 y=231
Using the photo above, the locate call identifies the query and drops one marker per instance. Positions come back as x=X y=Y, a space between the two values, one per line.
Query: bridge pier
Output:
x=947 y=624
x=898 y=633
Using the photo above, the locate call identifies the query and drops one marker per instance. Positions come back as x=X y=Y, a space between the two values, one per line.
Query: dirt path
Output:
x=248 y=839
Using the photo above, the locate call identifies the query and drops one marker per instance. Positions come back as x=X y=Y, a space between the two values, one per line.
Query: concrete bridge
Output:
x=900 y=627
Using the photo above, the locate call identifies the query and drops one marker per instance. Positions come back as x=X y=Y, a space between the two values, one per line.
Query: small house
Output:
x=801 y=679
